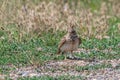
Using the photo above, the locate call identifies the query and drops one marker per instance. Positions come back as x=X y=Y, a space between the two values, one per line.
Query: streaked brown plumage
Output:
x=69 y=42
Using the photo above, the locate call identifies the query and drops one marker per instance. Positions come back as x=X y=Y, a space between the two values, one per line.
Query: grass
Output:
x=19 y=41
x=93 y=67
x=18 y=52
x=106 y=49
x=64 y=77
x=22 y=52
x=26 y=53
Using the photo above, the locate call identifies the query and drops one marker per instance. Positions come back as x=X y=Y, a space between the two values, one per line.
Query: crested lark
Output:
x=69 y=42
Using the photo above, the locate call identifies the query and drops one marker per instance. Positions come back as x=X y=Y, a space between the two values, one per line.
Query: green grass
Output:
x=92 y=67
x=102 y=45
x=23 y=51
x=14 y=52
x=64 y=77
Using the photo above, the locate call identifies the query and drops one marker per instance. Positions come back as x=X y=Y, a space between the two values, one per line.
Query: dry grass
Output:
x=35 y=17
x=23 y=20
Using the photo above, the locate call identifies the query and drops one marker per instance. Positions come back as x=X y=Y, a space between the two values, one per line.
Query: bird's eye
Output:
x=73 y=31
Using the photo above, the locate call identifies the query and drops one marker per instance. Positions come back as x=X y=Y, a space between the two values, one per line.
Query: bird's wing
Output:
x=62 y=42
x=80 y=41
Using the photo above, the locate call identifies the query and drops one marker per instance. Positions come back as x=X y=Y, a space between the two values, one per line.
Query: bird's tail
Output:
x=58 y=52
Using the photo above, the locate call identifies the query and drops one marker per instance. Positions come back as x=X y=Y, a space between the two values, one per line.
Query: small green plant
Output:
x=31 y=30
x=64 y=77
x=92 y=67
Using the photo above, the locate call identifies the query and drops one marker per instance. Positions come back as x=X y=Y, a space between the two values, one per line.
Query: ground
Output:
x=31 y=31
x=68 y=69
x=104 y=69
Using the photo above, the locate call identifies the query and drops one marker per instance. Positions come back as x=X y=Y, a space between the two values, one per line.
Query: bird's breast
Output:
x=70 y=45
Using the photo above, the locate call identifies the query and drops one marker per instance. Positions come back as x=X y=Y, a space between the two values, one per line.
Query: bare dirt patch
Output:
x=68 y=67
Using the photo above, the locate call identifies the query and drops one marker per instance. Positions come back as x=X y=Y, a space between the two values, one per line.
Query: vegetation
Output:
x=30 y=31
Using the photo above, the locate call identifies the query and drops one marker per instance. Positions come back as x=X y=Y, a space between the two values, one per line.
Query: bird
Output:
x=70 y=42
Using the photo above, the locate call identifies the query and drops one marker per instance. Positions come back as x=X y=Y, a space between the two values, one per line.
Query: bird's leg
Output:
x=65 y=55
x=71 y=55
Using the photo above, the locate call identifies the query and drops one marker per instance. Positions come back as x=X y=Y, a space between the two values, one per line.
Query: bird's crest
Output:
x=71 y=28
